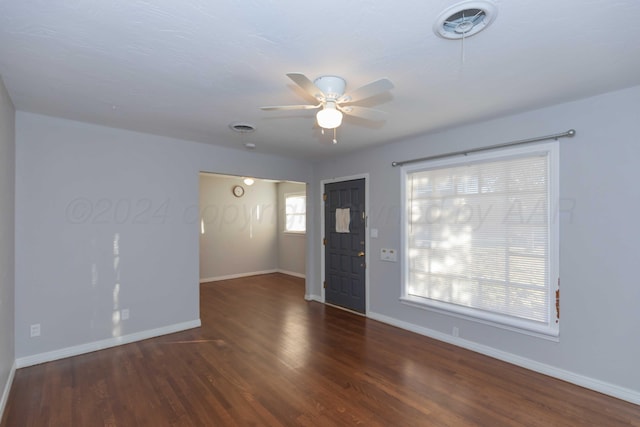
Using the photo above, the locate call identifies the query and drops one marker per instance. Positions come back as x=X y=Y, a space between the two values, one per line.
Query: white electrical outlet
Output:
x=124 y=314
x=456 y=331
x=35 y=330
x=387 y=254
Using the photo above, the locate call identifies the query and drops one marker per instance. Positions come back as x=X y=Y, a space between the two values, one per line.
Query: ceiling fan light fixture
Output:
x=329 y=92
x=329 y=117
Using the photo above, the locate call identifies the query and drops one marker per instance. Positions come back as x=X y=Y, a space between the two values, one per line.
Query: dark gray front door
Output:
x=344 y=247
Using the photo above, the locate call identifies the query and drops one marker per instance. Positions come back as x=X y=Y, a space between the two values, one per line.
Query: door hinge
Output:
x=324 y=284
x=324 y=241
x=324 y=197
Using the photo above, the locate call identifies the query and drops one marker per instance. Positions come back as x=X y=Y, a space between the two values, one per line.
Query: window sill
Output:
x=295 y=233
x=522 y=327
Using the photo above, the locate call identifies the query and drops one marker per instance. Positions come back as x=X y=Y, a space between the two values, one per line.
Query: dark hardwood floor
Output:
x=266 y=357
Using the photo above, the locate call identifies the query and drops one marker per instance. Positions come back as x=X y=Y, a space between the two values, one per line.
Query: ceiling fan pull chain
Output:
x=462 y=44
x=464 y=33
x=335 y=141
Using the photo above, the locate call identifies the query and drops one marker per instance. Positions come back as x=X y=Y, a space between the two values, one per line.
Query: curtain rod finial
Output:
x=571 y=132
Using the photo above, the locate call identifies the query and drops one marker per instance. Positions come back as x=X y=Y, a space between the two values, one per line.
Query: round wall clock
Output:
x=238 y=191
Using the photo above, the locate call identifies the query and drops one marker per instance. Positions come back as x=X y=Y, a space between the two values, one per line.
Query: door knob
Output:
x=360 y=253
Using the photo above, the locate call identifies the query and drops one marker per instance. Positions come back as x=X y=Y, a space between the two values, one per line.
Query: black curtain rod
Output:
x=569 y=133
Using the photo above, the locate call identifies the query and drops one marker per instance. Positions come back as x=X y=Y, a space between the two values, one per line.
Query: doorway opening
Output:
x=243 y=228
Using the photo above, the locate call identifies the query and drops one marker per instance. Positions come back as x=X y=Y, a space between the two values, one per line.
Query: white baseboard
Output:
x=292 y=273
x=102 y=344
x=236 y=276
x=316 y=298
x=7 y=389
x=623 y=393
x=249 y=274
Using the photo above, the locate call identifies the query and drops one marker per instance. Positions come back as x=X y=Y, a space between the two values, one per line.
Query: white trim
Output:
x=292 y=273
x=7 y=389
x=76 y=350
x=474 y=318
x=254 y=273
x=323 y=182
x=316 y=298
x=237 y=276
x=623 y=393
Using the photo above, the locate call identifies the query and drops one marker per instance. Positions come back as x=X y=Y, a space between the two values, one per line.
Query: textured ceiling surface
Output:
x=189 y=68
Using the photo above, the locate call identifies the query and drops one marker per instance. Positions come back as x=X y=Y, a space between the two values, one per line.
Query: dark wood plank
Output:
x=266 y=357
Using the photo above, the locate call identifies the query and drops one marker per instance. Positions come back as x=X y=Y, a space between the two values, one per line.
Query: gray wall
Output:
x=240 y=235
x=96 y=207
x=291 y=246
x=7 y=234
x=107 y=219
x=599 y=342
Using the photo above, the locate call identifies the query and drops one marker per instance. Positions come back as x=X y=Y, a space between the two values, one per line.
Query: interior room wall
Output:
x=291 y=246
x=238 y=235
x=599 y=201
x=7 y=249
x=106 y=221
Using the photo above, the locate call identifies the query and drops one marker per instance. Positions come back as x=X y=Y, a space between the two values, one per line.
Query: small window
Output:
x=295 y=213
x=480 y=238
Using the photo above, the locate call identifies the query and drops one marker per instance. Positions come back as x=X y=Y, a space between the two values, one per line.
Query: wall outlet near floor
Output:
x=35 y=330
x=124 y=314
x=455 y=332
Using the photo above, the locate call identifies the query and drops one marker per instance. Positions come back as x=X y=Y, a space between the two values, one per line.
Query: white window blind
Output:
x=478 y=238
x=295 y=213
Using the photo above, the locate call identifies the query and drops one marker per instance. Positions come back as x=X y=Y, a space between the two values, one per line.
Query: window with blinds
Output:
x=480 y=238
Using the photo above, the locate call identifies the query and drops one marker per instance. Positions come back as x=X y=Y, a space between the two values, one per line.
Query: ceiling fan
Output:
x=329 y=92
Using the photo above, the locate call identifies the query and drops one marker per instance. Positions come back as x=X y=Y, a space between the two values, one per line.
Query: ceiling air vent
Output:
x=242 y=127
x=465 y=19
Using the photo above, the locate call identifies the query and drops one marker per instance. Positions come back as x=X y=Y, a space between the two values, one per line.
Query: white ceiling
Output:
x=189 y=68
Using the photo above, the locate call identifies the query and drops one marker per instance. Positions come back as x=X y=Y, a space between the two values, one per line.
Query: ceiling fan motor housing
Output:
x=331 y=86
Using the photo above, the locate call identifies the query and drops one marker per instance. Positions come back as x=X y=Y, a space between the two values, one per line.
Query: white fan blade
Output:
x=363 y=112
x=306 y=84
x=368 y=90
x=290 y=107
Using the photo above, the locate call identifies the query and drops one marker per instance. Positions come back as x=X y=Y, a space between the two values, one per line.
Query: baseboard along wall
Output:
x=552 y=371
x=249 y=274
x=62 y=353
x=7 y=389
